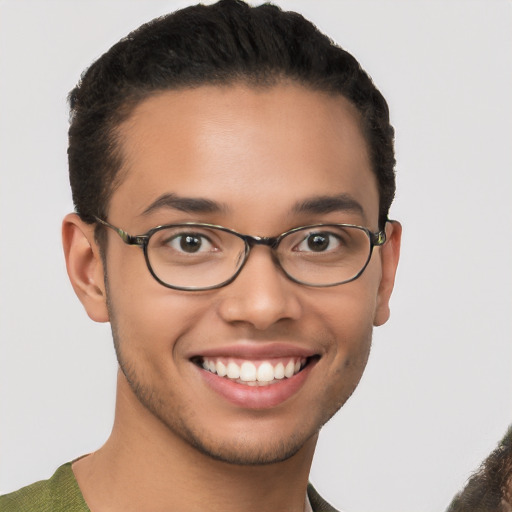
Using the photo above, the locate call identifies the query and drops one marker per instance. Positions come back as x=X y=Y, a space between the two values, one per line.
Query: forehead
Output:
x=251 y=150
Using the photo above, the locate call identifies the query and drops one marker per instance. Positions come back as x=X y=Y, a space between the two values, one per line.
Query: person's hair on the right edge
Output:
x=221 y=44
x=490 y=488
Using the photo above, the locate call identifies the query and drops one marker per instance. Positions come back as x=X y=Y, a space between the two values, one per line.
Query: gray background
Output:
x=436 y=396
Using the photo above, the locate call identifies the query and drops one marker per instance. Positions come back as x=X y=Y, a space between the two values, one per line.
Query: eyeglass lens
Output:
x=195 y=256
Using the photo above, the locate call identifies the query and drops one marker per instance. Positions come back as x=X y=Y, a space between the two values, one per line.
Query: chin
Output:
x=243 y=454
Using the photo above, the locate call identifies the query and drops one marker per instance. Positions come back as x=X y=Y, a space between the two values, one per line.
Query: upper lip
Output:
x=256 y=350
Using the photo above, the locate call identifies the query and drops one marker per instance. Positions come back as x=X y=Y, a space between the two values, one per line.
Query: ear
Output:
x=85 y=267
x=389 y=255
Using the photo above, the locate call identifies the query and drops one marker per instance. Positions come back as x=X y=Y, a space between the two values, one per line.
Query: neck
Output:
x=145 y=467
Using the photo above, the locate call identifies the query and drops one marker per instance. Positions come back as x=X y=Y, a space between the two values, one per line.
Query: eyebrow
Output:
x=315 y=205
x=184 y=204
x=328 y=204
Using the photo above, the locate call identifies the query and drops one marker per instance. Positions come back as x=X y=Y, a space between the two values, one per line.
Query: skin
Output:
x=257 y=153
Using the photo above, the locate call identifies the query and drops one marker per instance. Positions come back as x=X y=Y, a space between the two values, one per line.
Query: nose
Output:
x=261 y=295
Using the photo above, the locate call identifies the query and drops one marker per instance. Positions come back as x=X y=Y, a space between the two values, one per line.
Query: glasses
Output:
x=196 y=256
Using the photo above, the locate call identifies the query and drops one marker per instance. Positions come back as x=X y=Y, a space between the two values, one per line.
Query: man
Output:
x=232 y=172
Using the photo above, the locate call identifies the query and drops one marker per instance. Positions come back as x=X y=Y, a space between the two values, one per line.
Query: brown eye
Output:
x=319 y=242
x=190 y=243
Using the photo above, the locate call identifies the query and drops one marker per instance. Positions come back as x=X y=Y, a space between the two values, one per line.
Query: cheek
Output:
x=355 y=327
x=347 y=315
x=350 y=308
x=147 y=318
x=153 y=321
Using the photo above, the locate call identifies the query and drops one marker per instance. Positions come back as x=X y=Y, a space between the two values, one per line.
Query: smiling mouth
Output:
x=263 y=372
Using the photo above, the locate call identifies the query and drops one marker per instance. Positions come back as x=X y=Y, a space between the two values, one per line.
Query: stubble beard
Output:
x=241 y=451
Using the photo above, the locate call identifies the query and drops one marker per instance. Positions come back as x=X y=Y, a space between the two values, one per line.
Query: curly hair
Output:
x=221 y=44
x=490 y=488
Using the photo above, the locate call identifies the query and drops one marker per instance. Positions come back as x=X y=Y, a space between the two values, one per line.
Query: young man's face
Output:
x=258 y=154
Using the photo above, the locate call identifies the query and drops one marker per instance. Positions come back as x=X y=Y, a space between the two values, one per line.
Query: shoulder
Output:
x=60 y=493
x=318 y=504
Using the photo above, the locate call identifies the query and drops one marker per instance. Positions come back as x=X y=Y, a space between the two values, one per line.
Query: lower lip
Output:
x=257 y=397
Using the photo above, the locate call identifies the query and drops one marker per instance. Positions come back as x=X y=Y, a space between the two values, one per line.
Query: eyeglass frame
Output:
x=376 y=239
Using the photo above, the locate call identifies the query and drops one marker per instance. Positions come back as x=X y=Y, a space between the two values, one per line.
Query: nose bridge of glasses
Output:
x=269 y=241
x=252 y=241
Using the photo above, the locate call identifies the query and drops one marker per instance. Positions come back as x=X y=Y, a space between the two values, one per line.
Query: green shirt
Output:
x=58 y=494
x=61 y=494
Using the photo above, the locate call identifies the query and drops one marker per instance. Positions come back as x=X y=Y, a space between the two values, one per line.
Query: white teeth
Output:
x=289 y=369
x=250 y=374
x=265 y=372
x=233 y=370
x=279 y=371
x=247 y=372
x=222 y=371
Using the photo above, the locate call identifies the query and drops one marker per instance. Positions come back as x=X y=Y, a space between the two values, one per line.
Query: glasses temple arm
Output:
x=126 y=237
